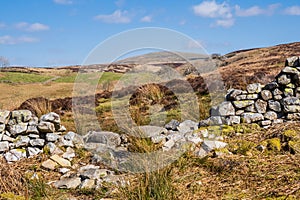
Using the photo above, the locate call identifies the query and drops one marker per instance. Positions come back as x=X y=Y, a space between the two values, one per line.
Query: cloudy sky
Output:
x=63 y=32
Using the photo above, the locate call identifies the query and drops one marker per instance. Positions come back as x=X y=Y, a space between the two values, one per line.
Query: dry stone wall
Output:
x=23 y=135
x=273 y=103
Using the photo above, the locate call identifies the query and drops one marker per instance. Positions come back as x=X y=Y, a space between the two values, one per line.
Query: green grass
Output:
x=17 y=77
x=106 y=77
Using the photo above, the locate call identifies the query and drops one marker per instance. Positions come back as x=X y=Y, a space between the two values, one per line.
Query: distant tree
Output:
x=4 y=62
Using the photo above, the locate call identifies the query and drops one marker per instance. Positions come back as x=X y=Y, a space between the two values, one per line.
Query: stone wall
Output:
x=23 y=135
x=273 y=103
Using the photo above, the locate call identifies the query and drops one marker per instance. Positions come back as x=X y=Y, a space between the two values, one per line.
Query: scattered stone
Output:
x=233 y=94
x=158 y=139
x=215 y=120
x=63 y=170
x=187 y=126
x=168 y=145
x=69 y=154
x=61 y=161
x=88 y=184
x=68 y=183
x=209 y=145
x=172 y=125
x=70 y=136
x=108 y=138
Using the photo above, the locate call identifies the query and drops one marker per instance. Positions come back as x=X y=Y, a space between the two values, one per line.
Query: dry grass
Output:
x=13 y=95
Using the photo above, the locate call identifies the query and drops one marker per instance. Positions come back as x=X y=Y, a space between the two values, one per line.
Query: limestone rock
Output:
x=109 y=138
x=37 y=142
x=46 y=127
x=290 y=70
x=209 y=145
x=172 y=125
x=15 y=155
x=22 y=141
x=274 y=105
x=252 y=117
x=52 y=137
x=187 y=126
x=61 y=161
x=21 y=115
x=88 y=184
x=261 y=106
x=266 y=94
x=271 y=115
x=18 y=129
x=254 y=88
x=4 y=116
x=283 y=79
x=271 y=86
x=68 y=183
x=231 y=120
x=292 y=61
x=51 y=117
x=226 y=109
x=148 y=131
x=32 y=151
x=233 y=94
x=243 y=104
x=4 y=146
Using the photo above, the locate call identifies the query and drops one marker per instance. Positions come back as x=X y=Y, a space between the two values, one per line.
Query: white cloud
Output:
x=7 y=39
x=212 y=9
x=255 y=10
x=63 y=2
x=226 y=23
x=2 y=25
x=293 y=10
x=116 y=17
x=32 y=27
x=147 y=18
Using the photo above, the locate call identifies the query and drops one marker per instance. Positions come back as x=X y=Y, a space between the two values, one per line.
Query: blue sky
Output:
x=63 y=32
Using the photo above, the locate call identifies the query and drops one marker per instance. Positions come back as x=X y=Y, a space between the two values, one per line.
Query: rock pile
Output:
x=23 y=135
x=273 y=103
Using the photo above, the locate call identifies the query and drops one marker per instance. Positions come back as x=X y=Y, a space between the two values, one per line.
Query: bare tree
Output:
x=4 y=62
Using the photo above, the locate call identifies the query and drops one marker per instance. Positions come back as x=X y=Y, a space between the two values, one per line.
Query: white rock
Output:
x=4 y=146
x=68 y=183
